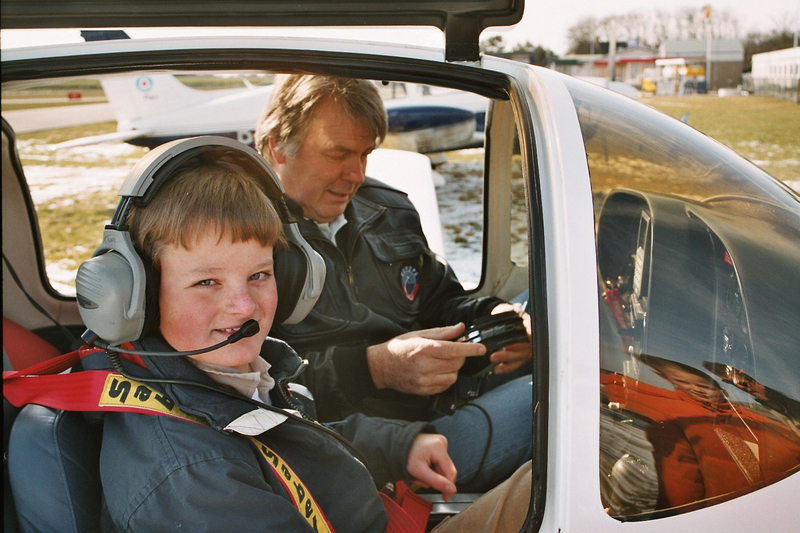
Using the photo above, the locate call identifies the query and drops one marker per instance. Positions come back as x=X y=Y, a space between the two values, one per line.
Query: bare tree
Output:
x=537 y=55
x=690 y=23
x=661 y=28
x=724 y=25
x=493 y=45
x=634 y=26
x=583 y=35
x=788 y=22
x=757 y=43
x=653 y=28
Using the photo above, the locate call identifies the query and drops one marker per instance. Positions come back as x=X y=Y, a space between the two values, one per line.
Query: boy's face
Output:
x=698 y=388
x=329 y=168
x=209 y=290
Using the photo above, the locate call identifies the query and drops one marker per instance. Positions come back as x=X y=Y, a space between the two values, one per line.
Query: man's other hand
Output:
x=512 y=356
x=421 y=362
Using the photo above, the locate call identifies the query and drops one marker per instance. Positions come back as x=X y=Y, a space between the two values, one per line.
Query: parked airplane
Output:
x=430 y=119
x=152 y=109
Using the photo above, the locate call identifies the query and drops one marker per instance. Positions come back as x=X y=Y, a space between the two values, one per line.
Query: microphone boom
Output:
x=248 y=329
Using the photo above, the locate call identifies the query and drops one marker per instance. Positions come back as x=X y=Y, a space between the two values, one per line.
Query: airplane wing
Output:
x=125 y=135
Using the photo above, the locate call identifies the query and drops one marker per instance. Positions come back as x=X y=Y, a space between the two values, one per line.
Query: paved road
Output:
x=48 y=118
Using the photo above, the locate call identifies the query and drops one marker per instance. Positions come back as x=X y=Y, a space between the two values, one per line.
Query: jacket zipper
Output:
x=287 y=396
x=349 y=258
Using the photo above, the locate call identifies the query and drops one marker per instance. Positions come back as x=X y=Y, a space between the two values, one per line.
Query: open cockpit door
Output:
x=462 y=21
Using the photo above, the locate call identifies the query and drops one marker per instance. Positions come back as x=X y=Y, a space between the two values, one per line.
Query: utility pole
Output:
x=612 y=53
x=707 y=14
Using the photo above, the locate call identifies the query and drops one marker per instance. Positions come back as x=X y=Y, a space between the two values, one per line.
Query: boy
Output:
x=210 y=234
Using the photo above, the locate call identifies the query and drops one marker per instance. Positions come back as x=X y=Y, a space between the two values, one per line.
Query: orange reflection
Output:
x=703 y=444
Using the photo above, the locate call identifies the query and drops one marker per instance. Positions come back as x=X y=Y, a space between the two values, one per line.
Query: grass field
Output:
x=764 y=130
x=90 y=91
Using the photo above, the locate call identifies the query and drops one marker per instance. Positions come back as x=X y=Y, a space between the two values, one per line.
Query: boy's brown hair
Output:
x=203 y=199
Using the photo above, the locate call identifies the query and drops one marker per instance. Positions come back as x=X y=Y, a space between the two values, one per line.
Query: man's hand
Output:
x=421 y=362
x=514 y=355
x=430 y=466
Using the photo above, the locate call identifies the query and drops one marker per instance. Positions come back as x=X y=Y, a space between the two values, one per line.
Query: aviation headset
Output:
x=111 y=287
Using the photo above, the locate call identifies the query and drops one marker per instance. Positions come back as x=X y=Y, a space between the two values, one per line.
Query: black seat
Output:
x=53 y=467
x=10 y=524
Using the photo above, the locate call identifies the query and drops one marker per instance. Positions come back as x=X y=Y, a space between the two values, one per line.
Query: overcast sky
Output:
x=544 y=23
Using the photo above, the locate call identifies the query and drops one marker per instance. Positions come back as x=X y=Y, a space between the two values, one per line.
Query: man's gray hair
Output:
x=295 y=97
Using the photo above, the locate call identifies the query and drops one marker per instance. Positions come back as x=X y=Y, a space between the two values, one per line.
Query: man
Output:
x=383 y=337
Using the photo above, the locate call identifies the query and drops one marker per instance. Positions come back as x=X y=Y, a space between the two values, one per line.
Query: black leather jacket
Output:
x=382 y=281
x=161 y=473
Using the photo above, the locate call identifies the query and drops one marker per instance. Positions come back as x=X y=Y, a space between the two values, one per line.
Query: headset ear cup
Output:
x=105 y=287
x=290 y=269
x=307 y=270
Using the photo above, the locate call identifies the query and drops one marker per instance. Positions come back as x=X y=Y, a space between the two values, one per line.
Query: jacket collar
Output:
x=217 y=409
x=358 y=212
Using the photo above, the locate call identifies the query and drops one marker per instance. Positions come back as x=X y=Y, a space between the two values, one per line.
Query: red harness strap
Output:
x=46 y=384
x=103 y=390
x=408 y=512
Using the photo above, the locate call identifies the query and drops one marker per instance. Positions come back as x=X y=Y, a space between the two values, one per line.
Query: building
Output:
x=638 y=66
x=726 y=60
x=629 y=64
x=777 y=74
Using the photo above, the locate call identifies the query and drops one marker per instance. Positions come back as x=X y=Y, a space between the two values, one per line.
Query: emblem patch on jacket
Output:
x=409 y=279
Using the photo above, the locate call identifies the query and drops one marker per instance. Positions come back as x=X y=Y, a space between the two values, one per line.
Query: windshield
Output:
x=699 y=296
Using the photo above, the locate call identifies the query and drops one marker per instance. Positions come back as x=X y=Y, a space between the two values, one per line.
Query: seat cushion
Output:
x=53 y=463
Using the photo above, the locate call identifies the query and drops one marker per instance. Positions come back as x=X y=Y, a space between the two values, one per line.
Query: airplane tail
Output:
x=103 y=35
x=134 y=97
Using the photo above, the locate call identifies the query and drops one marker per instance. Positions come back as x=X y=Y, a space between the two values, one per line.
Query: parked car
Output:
x=661 y=267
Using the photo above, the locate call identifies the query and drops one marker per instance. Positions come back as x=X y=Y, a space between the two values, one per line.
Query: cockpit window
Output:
x=78 y=148
x=699 y=294
x=73 y=188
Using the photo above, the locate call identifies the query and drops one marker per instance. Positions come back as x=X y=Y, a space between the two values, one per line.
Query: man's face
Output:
x=329 y=168
x=209 y=290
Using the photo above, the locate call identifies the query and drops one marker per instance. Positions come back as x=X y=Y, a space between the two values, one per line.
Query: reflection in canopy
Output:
x=703 y=445
x=776 y=404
